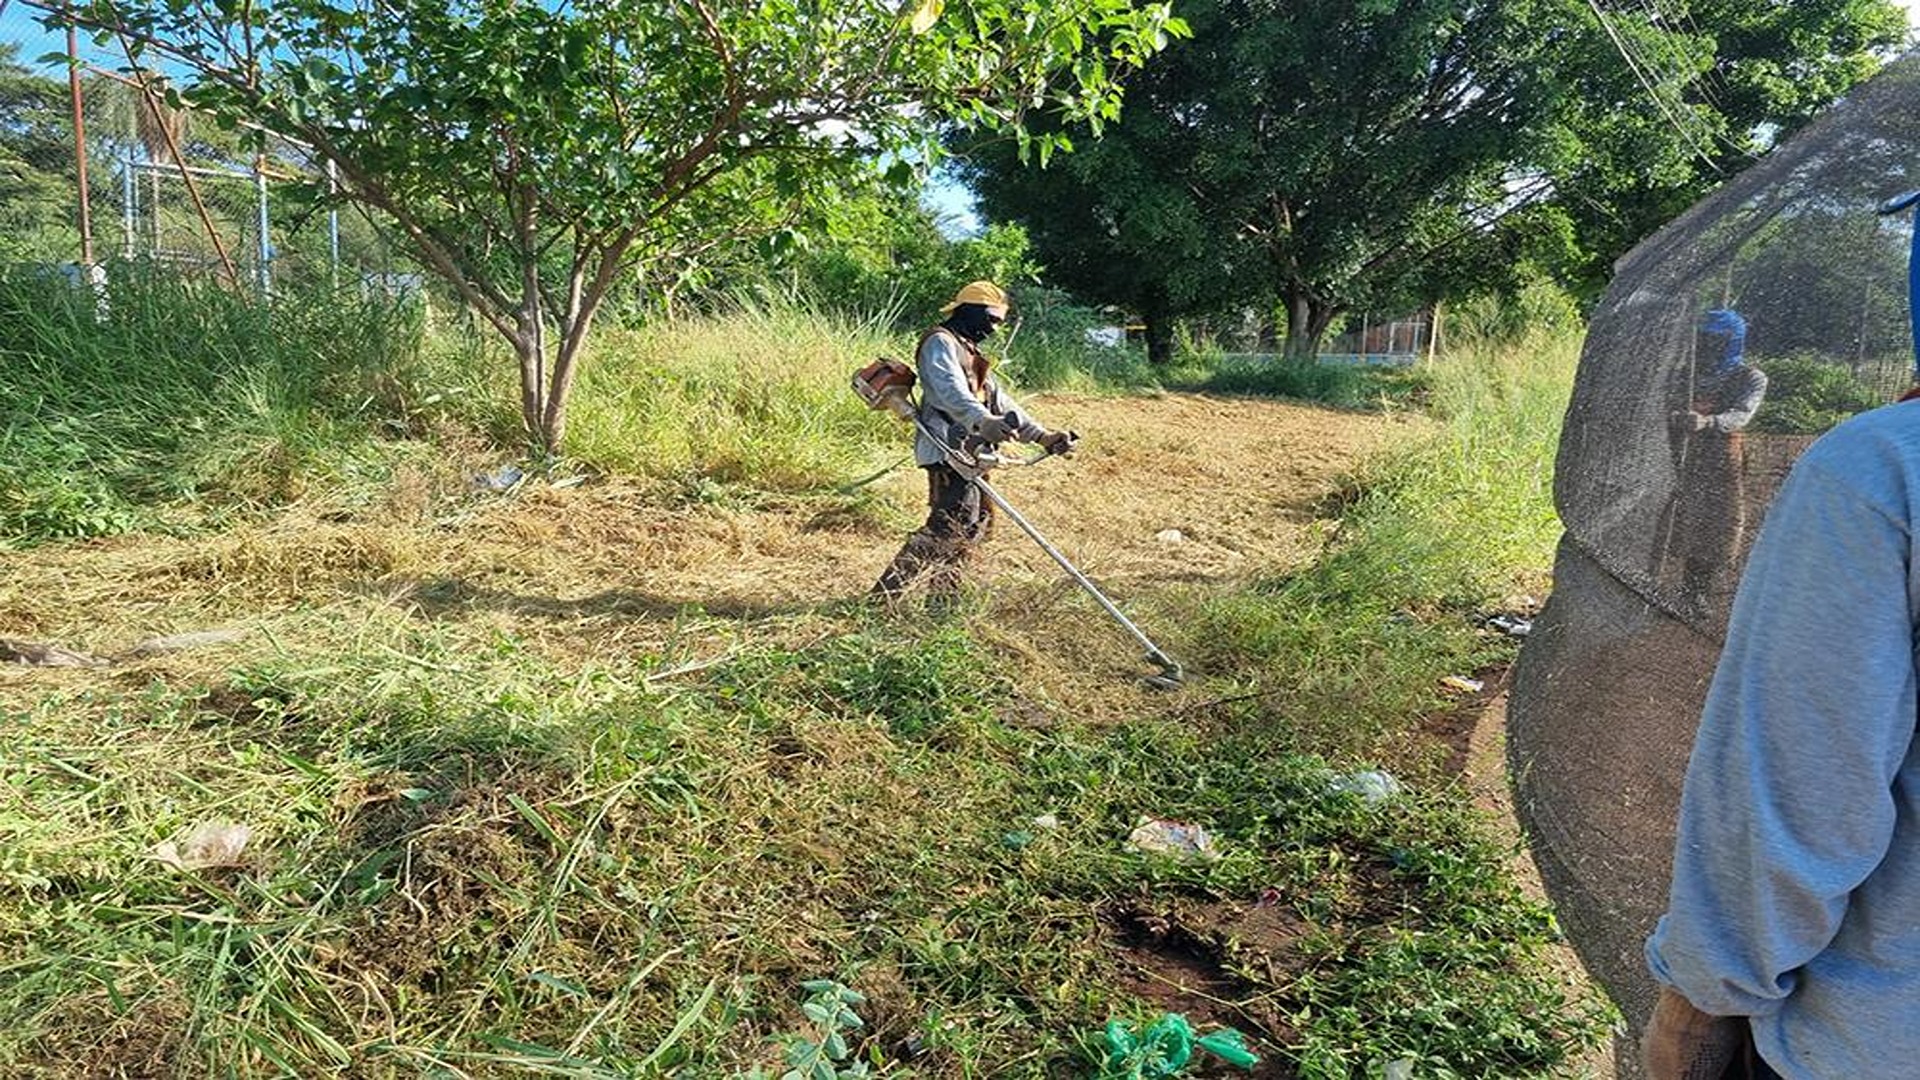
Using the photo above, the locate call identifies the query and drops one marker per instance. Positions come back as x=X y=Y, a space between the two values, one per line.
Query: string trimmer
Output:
x=884 y=386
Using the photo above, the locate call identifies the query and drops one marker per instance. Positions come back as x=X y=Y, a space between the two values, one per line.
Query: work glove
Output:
x=1058 y=442
x=1684 y=1043
x=992 y=429
x=1688 y=420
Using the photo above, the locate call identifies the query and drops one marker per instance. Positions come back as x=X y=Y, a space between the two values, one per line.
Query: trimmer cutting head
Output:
x=1169 y=677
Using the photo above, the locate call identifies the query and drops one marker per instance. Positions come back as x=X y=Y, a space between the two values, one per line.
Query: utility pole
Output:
x=80 y=152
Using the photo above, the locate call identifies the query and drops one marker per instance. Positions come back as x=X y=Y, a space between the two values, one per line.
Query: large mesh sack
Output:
x=1786 y=270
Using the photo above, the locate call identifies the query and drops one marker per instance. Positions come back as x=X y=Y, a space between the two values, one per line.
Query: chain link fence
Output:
x=96 y=168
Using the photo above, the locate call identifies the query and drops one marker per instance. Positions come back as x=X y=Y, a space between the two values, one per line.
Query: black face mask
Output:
x=972 y=322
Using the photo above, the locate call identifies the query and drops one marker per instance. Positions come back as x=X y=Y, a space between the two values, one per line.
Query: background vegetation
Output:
x=515 y=807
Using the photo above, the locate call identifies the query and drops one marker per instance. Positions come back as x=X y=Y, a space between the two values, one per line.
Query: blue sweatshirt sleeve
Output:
x=1788 y=804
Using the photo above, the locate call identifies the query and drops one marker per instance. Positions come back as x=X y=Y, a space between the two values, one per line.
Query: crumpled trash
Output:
x=1046 y=821
x=1511 y=625
x=1462 y=684
x=1375 y=786
x=1399 y=1070
x=210 y=844
x=1174 y=839
x=503 y=478
x=1170 y=536
x=1165 y=1048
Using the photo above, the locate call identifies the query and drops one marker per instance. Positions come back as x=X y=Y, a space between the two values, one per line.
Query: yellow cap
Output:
x=986 y=294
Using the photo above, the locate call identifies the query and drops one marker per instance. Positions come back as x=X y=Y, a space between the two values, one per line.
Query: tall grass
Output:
x=161 y=391
x=166 y=400
x=758 y=395
x=1348 y=652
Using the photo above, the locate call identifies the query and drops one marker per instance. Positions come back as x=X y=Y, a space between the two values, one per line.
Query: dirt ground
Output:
x=608 y=570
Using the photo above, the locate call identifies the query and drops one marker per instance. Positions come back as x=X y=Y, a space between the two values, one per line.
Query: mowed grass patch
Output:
x=468 y=861
x=488 y=843
x=1348 y=653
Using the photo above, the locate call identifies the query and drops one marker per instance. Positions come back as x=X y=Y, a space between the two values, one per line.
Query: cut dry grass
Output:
x=580 y=782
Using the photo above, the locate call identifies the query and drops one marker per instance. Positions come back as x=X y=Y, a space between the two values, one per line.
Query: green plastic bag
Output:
x=1231 y=1047
x=1165 y=1049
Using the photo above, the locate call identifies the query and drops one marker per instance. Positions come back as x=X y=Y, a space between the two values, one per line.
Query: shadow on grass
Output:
x=1333 y=385
x=440 y=597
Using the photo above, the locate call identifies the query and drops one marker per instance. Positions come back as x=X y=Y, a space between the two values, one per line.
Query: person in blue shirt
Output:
x=959 y=398
x=1791 y=942
x=1708 y=513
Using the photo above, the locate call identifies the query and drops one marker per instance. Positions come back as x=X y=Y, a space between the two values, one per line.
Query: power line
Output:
x=1634 y=62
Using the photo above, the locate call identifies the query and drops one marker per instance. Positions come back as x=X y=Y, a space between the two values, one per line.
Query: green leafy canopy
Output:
x=534 y=154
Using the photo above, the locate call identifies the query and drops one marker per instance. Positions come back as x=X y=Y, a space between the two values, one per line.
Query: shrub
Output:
x=1806 y=396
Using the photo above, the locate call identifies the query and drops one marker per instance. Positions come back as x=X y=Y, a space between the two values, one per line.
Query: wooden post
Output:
x=80 y=151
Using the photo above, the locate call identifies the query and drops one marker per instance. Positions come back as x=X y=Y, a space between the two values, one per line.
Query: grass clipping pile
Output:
x=591 y=784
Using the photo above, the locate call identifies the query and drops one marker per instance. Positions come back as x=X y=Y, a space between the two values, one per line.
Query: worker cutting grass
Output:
x=960 y=422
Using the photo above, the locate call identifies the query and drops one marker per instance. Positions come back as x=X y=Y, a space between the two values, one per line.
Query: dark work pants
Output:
x=958 y=519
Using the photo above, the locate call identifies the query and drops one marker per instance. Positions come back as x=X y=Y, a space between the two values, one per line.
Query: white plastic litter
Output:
x=501 y=479
x=1173 y=839
x=210 y=844
x=1374 y=785
x=1170 y=536
x=1511 y=625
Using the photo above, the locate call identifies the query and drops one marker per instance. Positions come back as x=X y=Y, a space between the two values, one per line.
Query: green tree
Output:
x=1116 y=221
x=535 y=154
x=1712 y=85
x=36 y=164
x=1827 y=283
x=881 y=253
x=1358 y=154
x=1332 y=157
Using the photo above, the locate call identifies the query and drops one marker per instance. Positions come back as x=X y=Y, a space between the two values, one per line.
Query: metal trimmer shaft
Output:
x=1170 y=674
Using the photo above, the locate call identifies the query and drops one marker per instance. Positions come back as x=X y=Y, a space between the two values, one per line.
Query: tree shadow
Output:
x=447 y=596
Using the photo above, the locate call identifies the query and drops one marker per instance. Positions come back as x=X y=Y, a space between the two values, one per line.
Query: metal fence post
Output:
x=127 y=206
x=265 y=247
x=333 y=223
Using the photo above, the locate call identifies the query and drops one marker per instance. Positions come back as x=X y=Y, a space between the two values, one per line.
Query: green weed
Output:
x=473 y=855
x=161 y=393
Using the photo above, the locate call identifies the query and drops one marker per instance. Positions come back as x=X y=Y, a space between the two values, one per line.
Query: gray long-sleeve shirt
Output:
x=948 y=405
x=1730 y=398
x=1796 y=884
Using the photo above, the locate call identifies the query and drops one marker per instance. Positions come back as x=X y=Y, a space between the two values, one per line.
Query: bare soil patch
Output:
x=1216 y=963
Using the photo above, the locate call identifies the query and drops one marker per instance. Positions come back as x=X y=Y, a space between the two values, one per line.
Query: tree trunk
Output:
x=528 y=345
x=1308 y=319
x=1156 y=315
x=1159 y=339
x=555 y=422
